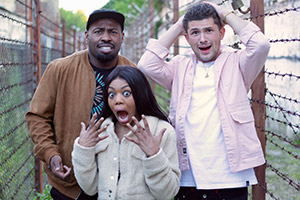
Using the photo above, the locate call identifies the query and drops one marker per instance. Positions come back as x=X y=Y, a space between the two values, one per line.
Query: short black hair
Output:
x=200 y=11
x=106 y=14
x=143 y=96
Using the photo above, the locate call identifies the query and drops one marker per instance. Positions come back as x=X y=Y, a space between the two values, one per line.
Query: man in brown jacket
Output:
x=69 y=92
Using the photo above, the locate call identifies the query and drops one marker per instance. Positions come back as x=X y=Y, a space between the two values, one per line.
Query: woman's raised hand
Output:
x=90 y=136
x=144 y=139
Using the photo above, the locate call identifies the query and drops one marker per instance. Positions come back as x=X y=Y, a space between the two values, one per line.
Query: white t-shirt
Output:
x=205 y=141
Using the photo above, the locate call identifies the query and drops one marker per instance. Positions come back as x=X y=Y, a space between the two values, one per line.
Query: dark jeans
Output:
x=191 y=193
x=56 y=195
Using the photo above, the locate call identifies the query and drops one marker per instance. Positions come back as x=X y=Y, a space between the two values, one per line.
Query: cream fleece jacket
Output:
x=97 y=168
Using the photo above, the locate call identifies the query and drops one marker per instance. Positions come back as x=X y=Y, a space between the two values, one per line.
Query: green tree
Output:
x=131 y=8
x=78 y=19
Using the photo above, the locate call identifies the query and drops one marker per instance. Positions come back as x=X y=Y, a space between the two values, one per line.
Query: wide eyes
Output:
x=111 y=95
x=126 y=93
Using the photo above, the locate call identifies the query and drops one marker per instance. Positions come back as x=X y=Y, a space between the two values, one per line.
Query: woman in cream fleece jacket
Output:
x=133 y=155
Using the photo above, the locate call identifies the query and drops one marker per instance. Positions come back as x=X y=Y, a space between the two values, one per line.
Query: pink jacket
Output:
x=234 y=71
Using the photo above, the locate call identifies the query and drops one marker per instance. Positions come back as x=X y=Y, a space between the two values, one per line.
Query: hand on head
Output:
x=149 y=143
x=58 y=169
x=90 y=136
x=179 y=23
x=220 y=10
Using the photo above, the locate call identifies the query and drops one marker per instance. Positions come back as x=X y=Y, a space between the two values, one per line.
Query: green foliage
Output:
x=156 y=27
x=125 y=6
x=15 y=145
x=131 y=8
x=46 y=194
x=78 y=19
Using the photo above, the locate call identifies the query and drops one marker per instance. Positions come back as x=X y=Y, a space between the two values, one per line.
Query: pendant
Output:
x=206 y=76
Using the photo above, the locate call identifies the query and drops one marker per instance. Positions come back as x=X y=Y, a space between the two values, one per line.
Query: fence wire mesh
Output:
x=19 y=55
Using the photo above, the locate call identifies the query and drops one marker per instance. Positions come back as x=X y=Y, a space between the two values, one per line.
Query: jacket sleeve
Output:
x=40 y=116
x=85 y=167
x=252 y=59
x=162 y=171
x=153 y=64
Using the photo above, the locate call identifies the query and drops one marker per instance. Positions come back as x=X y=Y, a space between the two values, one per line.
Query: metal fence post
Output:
x=36 y=40
x=74 y=39
x=259 y=110
x=63 y=38
x=175 y=18
x=152 y=33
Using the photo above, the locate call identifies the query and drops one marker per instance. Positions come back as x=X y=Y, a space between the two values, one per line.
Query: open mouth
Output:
x=206 y=48
x=105 y=48
x=122 y=116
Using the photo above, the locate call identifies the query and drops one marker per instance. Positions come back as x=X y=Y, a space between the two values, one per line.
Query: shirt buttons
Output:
x=115 y=158
x=112 y=178
x=204 y=196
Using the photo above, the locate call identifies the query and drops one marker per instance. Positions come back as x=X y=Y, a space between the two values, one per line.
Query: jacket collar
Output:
x=219 y=62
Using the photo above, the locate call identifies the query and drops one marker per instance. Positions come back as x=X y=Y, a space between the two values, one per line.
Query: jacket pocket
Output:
x=241 y=112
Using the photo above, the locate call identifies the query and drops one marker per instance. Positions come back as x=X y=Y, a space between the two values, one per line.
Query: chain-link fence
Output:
x=29 y=40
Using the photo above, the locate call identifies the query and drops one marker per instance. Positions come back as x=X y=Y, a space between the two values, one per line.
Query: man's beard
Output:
x=106 y=58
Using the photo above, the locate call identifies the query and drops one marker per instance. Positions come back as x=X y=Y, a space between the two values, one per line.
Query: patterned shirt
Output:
x=101 y=75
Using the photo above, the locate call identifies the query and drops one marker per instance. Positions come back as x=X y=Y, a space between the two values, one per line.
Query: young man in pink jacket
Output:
x=216 y=138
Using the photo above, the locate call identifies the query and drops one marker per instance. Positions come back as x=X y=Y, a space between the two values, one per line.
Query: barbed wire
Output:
x=15 y=20
x=24 y=4
x=16 y=41
x=7 y=182
x=50 y=21
x=290 y=75
x=237 y=43
x=268 y=191
x=16 y=64
x=16 y=85
x=30 y=193
x=273 y=134
x=282 y=122
x=285 y=40
x=284 y=177
x=222 y=2
x=55 y=37
x=282 y=97
x=22 y=182
x=15 y=107
x=275 y=107
x=11 y=153
x=52 y=49
x=12 y=130
x=274 y=13
x=283 y=114
x=282 y=148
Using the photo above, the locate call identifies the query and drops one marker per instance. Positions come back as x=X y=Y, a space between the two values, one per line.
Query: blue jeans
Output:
x=191 y=193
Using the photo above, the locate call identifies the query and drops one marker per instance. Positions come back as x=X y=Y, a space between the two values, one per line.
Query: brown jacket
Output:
x=62 y=100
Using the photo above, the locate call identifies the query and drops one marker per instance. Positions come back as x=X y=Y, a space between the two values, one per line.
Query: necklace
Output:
x=207 y=70
x=207 y=67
